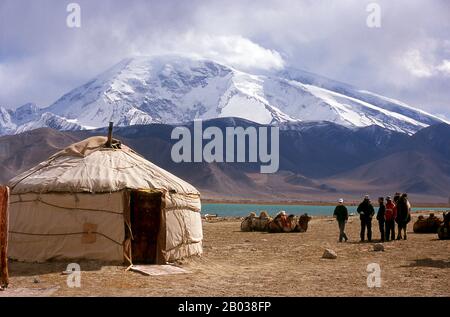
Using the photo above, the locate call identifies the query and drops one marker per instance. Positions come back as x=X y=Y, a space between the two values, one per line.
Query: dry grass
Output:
x=259 y=264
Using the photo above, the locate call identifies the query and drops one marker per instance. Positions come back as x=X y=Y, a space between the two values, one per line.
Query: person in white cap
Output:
x=341 y=215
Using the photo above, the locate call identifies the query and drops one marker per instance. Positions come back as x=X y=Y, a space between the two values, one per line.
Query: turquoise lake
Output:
x=240 y=210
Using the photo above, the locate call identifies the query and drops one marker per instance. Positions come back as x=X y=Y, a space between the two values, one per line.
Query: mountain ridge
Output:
x=312 y=166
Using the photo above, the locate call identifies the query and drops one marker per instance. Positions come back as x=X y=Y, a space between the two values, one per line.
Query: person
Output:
x=282 y=217
x=341 y=215
x=381 y=217
x=396 y=198
x=403 y=215
x=366 y=212
x=390 y=216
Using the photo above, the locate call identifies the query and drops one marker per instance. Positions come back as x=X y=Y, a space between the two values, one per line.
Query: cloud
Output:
x=444 y=67
x=232 y=50
x=415 y=64
x=407 y=58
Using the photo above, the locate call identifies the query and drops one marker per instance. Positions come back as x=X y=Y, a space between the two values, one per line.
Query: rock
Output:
x=264 y=240
x=378 y=247
x=36 y=280
x=246 y=240
x=329 y=254
x=254 y=249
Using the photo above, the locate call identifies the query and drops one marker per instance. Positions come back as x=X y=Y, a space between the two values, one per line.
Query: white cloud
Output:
x=239 y=52
x=414 y=63
x=232 y=50
x=444 y=67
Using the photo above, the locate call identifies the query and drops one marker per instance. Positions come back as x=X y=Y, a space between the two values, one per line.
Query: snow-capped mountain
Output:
x=49 y=120
x=26 y=113
x=29 y=117
x=7 y=125
x=175 y=89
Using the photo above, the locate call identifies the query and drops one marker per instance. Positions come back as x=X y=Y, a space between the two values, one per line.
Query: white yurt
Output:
x=100 y=200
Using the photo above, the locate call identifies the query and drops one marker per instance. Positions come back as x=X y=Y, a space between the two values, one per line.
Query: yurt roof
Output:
x=89 y=166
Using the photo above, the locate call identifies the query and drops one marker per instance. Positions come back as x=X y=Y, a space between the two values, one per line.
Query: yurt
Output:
x=100 y=200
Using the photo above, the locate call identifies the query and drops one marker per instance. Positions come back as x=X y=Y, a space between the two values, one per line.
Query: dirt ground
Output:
x=261 y=264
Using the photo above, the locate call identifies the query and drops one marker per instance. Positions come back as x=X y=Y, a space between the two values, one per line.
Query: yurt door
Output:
x=145 y=222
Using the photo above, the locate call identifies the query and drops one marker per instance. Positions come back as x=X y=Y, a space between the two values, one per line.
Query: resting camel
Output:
x=247 y=223
x=427 y=225
x=302 y=225
x=254 y=223
x=291 y=223
x=444 y=229
x=282 y=223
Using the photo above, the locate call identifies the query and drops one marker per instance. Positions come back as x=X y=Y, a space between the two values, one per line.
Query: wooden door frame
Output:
x=151 y=195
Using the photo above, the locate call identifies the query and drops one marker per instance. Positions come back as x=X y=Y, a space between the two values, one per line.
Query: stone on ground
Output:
x=378 y=247
x=329 y=254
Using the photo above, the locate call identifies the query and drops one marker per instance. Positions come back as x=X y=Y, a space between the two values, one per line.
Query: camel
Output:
x=255 y=223
x=427 y=225
x=291 y=223
x=247 y=223
x=281 y=223
x=444 y=229
x=302 y=225
x=262 y=222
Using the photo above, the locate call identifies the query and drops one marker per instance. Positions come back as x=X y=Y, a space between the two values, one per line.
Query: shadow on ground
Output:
x=30 y=269
x=440 y=264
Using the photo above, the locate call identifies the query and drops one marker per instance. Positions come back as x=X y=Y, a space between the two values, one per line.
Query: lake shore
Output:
x=308 y=203
x=238 y=263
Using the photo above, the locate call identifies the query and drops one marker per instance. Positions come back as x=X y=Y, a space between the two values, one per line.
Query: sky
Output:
x=407 y=57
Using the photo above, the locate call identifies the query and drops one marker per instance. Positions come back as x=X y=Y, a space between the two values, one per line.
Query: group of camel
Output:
x=284 y=223
x=280 y=223
x=433 y=224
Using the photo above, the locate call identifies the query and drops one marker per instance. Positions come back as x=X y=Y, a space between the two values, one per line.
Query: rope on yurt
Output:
x=66 y=234
x=61 y=207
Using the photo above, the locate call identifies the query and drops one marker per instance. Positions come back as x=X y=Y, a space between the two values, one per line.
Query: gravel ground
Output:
x=238 y=263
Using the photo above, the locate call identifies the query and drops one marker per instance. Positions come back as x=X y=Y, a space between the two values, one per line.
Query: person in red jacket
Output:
x=390 y=215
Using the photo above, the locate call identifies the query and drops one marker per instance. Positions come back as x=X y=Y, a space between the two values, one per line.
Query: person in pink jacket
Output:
x=390 y=215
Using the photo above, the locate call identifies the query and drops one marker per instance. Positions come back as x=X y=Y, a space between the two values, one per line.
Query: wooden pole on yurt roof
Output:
x=110 y=130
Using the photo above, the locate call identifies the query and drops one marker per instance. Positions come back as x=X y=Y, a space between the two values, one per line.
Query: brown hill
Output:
x=317 y=163
x=20 y=152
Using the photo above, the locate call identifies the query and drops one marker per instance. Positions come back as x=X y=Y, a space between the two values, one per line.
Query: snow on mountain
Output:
x=50 y=120
x=362 y=95
x=26 y=113
x=174 y=89
x=7 y=126
x=29 y=117
x=166 y=89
